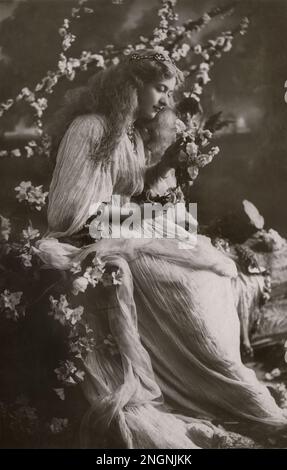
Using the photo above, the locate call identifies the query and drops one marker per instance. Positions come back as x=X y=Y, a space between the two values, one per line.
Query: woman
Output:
x=173 y=317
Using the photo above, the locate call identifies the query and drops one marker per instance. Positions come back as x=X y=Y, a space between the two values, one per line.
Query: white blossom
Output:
x=111 y=279
x=215 y=150
x=100 y=60
x=204 y=67
x=206 y=18
x=8 y=303
x=197 y=89
x=63 y=313
x=58 y=425
x=180 y=126
x=191 y=149
x=29 y=151
x=93 y=275
x=76 y=267
x=69 y=374
x=30 y=233
x=16 y=153
x=26 y=259
x=5 y=228
x=68 y=41
x=193 y=172
x=80 y=284
x=34 y=195
x=197 y=49
x=115 y=60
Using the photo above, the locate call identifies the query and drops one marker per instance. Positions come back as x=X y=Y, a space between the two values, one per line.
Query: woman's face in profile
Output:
x=154 y=97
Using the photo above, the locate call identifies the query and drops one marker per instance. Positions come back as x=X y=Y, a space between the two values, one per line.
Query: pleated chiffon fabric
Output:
x=173 y=318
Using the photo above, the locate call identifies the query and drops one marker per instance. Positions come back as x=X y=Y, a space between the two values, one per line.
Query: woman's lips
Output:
x=158 y=108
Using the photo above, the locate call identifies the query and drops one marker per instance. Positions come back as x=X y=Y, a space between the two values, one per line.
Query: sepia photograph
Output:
x=143 y=239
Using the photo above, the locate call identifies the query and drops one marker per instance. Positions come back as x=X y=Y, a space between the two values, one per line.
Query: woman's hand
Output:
x=170 y=159
x=173 y=154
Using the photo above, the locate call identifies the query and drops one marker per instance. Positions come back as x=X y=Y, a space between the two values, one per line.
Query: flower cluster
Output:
x=34 y=195
x=63 y=313
x=58 y=425
x=80 y=340
x=26 y=252
x=67 y=67
x=9 y=301
x=69 y=374
x=195 y=153
x=94 y=275
x=167 y=18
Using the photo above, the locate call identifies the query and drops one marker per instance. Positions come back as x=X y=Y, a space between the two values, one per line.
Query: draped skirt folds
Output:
x=176 y=331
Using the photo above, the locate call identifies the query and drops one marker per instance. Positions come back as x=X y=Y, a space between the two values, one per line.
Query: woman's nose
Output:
x=163 y=101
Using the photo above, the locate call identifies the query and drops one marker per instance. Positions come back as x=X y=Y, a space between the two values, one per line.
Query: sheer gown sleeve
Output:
x=80 y=178
x=80 y=181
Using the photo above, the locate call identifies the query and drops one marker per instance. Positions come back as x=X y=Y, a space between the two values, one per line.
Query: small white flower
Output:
x=96 y=261
x=5 y=228
x=76 y=267
x=175 y=55
x=197 y=49
x=191 y=149
x=26 y=259
x=16 y=153
x=8 y=303
x=215 y=150
x=74 y=315
x=180 y=126
x=205 y=55
x=58 y=425
x=185 y=48
x=193 y=172
x=220 y=41
x=100 y=60
x=206 y=18
x=68 y=41
x=29 y=151
x=80 y=284
x=197 y=89
x=228 y=46
x=75 y=12
x=204 y=67
x=115 y=60
x=204 y=77
x=30 y=233
x=62 y=33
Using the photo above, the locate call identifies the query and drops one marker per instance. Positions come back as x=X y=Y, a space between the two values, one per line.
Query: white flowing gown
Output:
x=173 y=318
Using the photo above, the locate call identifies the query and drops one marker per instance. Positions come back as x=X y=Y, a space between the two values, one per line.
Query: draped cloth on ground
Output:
x=173 y=318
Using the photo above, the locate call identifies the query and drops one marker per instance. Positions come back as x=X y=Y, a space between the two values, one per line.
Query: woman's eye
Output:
x=161 y=89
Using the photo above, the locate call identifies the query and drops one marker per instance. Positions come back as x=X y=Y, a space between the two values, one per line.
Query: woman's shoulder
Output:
x=90 y=124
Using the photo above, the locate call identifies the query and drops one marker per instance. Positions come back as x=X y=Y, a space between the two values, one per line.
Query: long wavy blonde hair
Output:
x=113 y=93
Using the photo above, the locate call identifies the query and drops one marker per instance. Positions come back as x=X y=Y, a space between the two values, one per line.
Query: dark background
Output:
x=247 y=85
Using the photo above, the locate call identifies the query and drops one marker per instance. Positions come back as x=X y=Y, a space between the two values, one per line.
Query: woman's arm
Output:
x=169 y=160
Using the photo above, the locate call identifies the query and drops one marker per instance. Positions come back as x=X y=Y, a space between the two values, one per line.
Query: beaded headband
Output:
x=157 y=56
